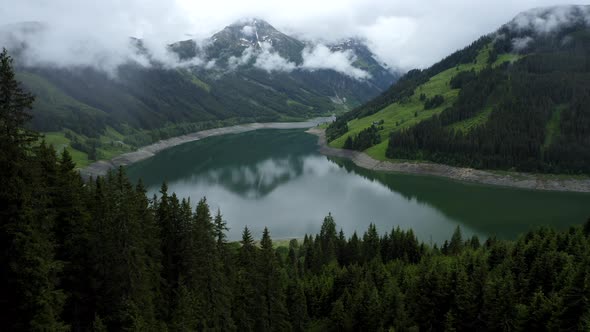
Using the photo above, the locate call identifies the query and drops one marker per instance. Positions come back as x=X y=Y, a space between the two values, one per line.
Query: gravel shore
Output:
x=518 y=180
x=101 y=167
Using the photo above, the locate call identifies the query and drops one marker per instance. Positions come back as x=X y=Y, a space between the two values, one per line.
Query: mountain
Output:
x=516 y=99
x=239 y=44
x=254 y=33
x=249 y=71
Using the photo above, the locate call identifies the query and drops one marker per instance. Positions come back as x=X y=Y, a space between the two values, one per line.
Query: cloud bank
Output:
x=270 y=60
x=316 y=57
x=403 y=34
x=547 y=20
x=540 y=22
x=321 y=57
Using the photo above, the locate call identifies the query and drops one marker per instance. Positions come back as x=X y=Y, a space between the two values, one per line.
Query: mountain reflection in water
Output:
x=276 y=178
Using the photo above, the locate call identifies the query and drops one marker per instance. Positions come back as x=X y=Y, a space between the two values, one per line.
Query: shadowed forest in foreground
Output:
x=101 y=255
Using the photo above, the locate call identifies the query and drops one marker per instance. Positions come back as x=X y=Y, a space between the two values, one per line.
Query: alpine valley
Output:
x=515 y=99
x=232 y=225
x=247 y=72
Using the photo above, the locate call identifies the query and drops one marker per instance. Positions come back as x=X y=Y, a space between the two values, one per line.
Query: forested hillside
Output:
x=518 y=99
x=102 y=256
x=97 y=113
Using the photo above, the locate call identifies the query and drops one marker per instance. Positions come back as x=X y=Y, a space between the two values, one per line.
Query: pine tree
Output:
x=328 y=239
x=220 y=293
x=354 y=249
x=168 y=215
x=297 y=306
x=272 y=288
x=219 y=231
x=339 y=318
x=348 y=144
x=73 y=233
x=576 y=299
x=371 y=246
x=394 y=314
x=186 y=315
x=456 y=244
x=540 y=313
x=450 y=321
x=98 y=325
x=29 y=273
x=122 y=263
x=246 y=303
x=499 y=302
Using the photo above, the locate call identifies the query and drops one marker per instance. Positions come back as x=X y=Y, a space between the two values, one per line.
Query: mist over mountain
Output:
x=251 y=42
x=249 y=71
x=533 y=28
x=139 y=139
x=517 y=98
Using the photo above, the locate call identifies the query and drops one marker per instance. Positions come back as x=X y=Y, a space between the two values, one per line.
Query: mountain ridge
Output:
x=515 y=99
x=149 y=97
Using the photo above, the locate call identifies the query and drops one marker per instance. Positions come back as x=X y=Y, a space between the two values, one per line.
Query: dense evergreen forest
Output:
x=524 y=98
x=93 y=107
x=102 y=256
x=530 y=115
x=365 y=139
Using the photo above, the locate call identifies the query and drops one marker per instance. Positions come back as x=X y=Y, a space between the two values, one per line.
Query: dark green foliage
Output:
x=328 y=240
x=336 y=129
x=460 y=80
x=407 y=84
x=433 y=102
x=29 y=269
x=523 y=97
x=86 y=100
x=456 y=243
x=517 y=99
x=334 y=283
x=274 y=314
x=101 y=256
x=363 y=140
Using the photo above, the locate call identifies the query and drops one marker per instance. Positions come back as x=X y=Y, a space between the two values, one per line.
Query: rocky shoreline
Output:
x=517 y=180
x=101 y=167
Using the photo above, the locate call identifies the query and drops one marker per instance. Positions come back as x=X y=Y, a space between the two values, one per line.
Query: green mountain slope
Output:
x=516 y=99
x=144 y=104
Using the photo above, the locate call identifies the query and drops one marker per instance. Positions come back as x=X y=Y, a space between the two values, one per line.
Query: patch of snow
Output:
x=248 y=30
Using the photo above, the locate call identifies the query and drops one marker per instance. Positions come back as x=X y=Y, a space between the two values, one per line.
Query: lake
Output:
x=276 y=178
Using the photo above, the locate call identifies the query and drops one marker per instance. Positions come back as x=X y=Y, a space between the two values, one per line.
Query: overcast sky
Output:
x=404 y=34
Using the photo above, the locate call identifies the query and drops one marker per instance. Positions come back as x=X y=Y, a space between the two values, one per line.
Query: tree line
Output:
x=523 y=98
x=101 y=255
x=365 y=139
x=404 y=88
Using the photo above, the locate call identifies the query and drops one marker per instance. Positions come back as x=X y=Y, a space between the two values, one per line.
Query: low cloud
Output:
x=520 y=44
x=320 y=57
x=248 y=30
x=403 y=34
x=317 y=57
x=544 y=21
x=39 y=45
x=550 y=19
x=247 y=55
x=264 y=58
x=270 y=60
x=39 y=48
